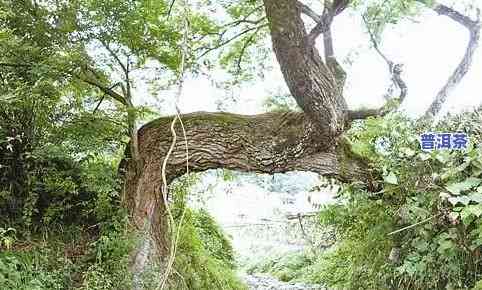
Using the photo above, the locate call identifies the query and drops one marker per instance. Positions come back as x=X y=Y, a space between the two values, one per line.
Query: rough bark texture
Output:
x=267 y=143
x=309 y=79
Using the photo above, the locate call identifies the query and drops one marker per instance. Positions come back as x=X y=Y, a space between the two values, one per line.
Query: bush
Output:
x=416 y=225
x=436 y=198
x=204 y=258
x=111 y=267
x=287 y=267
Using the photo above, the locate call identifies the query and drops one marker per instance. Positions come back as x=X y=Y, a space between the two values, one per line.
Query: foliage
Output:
x=286 y=267
x=214 y=238
x=438 y=192
x=70 y=258
x=52 y=148
x=112 y=255
x=22 y=272
x=7 y=237
x=421 y=226
x=379 y=13
x=204 y=258
x=59 y=190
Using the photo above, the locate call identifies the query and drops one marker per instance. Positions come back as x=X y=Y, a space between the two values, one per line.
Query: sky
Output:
x=429 y=48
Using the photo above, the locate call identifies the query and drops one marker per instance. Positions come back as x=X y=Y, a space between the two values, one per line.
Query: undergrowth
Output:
x=205 y=257
x=72 y=258
x=422 y=226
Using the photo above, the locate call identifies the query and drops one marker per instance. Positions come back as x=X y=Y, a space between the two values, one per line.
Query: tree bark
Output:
x=309 y=80
x=266 y=143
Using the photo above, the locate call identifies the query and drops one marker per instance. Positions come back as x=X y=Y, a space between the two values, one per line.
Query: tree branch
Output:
x=394 y=69
x=15 y=64
x=473 y=27
x=106 y=90
x=323 y=26
x=170 y=8
x=330 y=11
x=243 y=49
x=305 y=9
x=115 y=56
x=245 y=18
x=103 y=97
x=223 y=43
x=456 y=16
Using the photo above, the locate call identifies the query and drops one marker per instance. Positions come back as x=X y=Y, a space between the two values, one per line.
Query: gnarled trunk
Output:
x=309 y=79
x=266 y=143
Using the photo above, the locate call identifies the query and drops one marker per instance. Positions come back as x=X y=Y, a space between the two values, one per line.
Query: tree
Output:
x=273 y=142
x=131 y=33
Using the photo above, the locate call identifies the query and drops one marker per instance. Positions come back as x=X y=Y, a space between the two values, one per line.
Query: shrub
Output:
x=204 y=258
x=434 y=198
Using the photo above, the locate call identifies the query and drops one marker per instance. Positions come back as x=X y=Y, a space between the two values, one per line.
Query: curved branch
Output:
x=305 y=9
x=473 y=26
x=266 y=143
x=394 y=69
x=106 y=90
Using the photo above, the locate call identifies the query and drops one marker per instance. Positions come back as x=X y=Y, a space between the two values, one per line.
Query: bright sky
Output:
x=430 y=50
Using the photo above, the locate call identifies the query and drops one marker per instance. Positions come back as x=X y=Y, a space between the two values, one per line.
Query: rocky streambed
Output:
x=260 y=282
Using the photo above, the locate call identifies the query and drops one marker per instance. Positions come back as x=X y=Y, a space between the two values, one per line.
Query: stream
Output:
x=260 y=282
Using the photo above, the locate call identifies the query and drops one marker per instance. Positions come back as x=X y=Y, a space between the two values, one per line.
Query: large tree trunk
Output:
x=309 y=79
x=267 y=143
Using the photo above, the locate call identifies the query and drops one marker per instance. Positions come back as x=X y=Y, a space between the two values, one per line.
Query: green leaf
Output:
x=445 y=245
x=442 y=156
x=465 y=200
x=452 y=171
x=457 y=188
x=476 y=172
x=424 y=156
x=407 y=151
x=391 y=178
x=467 y=215
x=476 y=197
x=475 y=209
